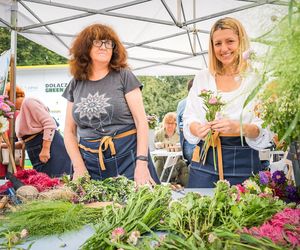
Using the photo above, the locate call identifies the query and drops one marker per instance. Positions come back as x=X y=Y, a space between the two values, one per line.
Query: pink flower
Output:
x=213 y=101
x=117 y=233
x=204 y=91
x=293 y=238
x=268 y=174
x=240 y=188
x=5 y=107
x=287 y=216
x=248 y=54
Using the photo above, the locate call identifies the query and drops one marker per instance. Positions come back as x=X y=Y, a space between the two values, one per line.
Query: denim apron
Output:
x=239 y=163
x=122 y=163
x=59 y=162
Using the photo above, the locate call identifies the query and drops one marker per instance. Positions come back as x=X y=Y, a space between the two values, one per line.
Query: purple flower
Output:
x=248 y=54
x=279 y=177
x=263 y=178
x=291 y=192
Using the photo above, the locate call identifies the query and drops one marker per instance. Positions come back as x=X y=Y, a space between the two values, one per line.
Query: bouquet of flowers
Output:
x=212 y=105
x=7 y=109
x=276 y=184
x=283 y=229
x=152 y=121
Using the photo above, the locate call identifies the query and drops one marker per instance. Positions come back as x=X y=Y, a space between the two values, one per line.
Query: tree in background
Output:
x=30 y=53
x=162 y=94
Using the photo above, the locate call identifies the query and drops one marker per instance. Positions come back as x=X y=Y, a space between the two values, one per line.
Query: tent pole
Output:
x=194 y=26
x=13 y=46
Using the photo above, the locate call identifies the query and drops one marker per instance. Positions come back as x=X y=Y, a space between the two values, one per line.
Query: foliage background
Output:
x=161 y=94
x=281 y=98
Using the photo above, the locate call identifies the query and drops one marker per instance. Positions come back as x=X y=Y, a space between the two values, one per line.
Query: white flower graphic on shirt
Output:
x=92 y=106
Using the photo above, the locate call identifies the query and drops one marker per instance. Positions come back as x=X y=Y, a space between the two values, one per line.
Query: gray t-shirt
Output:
x=100 y=107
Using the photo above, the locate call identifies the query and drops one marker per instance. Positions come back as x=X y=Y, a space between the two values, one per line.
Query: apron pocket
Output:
x=33 y=154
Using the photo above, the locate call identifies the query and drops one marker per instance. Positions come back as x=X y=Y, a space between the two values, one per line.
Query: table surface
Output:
x=73 y=240
x=164 y=152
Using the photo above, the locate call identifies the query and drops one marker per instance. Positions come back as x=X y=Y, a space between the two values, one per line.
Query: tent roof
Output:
x=163 y=37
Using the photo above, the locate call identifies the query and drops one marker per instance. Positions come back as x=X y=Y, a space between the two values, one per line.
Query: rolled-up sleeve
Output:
x=264 y=139
x=194 y=111
x=41 y=116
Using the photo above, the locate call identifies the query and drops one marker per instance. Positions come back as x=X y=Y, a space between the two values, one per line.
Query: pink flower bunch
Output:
x=117 y=234
x=7 y=108
x=39 y=180
x=212 y=104
x=283 y=228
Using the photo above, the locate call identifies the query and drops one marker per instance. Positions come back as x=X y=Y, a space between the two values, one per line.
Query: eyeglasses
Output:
x=109 y=44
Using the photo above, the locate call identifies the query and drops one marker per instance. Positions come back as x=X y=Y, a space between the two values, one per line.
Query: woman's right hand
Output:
x=200 y=130
x=79 y=172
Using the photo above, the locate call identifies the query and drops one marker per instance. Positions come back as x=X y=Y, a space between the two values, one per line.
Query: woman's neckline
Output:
x=100 y=77
x=239 y=80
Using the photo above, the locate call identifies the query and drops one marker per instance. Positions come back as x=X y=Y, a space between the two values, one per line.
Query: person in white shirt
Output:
x=230 y=76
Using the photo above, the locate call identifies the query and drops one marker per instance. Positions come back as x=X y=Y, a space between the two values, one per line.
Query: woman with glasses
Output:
x=105 y=110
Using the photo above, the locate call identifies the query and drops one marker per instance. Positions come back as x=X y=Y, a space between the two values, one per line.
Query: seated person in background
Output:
x=43 y=143
x=187 y=148
x=168 y=135
x=18 y=144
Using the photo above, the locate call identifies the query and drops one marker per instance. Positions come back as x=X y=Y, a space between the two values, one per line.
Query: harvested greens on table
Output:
x=236 y=217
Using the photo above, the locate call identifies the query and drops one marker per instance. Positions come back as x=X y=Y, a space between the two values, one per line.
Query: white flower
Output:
x=92 y=106
x=3 y=124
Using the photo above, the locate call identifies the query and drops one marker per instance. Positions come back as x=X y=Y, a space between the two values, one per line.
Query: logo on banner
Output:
x=55 y=87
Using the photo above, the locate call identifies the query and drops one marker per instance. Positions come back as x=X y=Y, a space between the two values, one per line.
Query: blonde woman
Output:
x=229 y=76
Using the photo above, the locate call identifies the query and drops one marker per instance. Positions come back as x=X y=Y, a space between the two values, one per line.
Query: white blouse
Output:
x=194 y=110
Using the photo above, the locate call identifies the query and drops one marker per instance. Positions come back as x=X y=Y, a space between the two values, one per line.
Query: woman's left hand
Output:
x=142 y=175
x=44 y=155
x=226 y=126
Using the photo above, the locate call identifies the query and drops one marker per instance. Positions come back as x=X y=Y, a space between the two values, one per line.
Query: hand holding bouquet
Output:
x=212 y=105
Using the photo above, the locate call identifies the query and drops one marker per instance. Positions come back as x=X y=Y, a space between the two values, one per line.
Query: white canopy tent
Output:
x=163 y=37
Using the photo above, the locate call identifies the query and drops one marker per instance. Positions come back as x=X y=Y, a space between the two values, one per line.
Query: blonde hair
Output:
x=215 y=66
x=20 y=95
x=169 y=118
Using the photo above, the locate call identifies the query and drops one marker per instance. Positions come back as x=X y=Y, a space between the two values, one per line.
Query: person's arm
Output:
x=40 y=117
x=71 y=143
x=194 y=122
x=234 y=127
x=135 y=103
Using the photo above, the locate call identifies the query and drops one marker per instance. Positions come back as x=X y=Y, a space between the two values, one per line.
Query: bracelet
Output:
x=142 y=158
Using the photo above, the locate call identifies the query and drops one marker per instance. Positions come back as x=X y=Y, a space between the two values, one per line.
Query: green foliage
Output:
x=28 y=52
x=281 y=99
x=162 y=94
x=43 y=218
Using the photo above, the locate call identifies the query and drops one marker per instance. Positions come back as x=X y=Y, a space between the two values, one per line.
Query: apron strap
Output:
x=216 y=143
x=31 y=137
x=105 y=143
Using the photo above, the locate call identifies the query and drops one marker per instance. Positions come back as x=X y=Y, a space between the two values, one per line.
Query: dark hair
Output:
x=190 y=84
x=80 y=62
